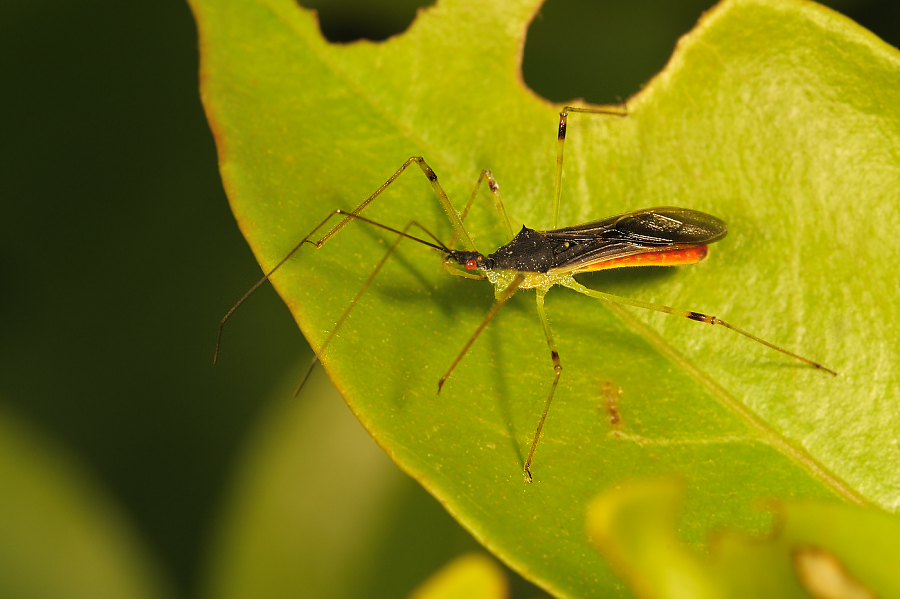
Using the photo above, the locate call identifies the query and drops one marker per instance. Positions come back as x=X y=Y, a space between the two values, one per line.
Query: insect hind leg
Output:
x=697 y=316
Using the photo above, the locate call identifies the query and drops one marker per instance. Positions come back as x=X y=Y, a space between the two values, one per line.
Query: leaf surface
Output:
x=782 y=118
x=471 y=576
x=818 y=549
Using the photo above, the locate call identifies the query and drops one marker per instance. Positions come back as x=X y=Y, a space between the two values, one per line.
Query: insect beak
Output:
x=461 y=264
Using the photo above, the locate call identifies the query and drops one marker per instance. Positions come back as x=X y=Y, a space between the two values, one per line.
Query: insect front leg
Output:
x=486 y=175
x=355 y=215
x=455 y=220
x=266 y=277
x=402 y=234
x=557 y=371
x=507 y=293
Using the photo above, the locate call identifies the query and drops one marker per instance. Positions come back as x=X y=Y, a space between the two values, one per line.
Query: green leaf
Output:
x=472 y=576
x=291 y=528
x=61 y=537
x=819 y=549
x=781 y=117
x=270 y=539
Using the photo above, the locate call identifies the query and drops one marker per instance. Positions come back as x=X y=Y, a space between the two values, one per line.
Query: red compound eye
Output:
x=471 y=264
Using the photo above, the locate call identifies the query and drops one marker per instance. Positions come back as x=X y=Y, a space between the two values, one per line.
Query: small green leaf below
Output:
x=780 y=117
x=472 y=576
x=823 y=550
x=61 y=535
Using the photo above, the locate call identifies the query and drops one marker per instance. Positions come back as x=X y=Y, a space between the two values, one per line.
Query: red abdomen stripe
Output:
x=667 y=258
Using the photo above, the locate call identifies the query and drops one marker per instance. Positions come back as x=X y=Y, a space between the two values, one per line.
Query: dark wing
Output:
x=650 y=230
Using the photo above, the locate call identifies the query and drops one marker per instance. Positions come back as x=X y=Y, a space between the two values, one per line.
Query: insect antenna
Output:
x=401 y=234
x=265 y=278
x=438 y=245
x=348 y=216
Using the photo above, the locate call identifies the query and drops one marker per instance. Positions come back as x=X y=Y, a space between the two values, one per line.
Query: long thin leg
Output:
x=618 y=110
x=557 y=371
x=575 y=285
x=348 y=216
x=264 y=279
x=486 y=175
x=501 y=299
x=365 y=286
x=438 y=190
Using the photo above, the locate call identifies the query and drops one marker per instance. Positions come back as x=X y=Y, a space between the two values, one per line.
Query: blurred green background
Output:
x=118 y=257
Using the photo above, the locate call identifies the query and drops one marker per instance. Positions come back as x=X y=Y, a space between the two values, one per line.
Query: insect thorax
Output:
x=501 y=279
x=527 y=252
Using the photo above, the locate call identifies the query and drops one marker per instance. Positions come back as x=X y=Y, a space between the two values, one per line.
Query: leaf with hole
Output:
x=781 y=118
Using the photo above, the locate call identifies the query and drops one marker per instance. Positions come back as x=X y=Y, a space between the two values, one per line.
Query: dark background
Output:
x=118 y=253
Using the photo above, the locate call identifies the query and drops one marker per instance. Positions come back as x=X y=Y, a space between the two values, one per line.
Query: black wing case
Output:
x=659 y=229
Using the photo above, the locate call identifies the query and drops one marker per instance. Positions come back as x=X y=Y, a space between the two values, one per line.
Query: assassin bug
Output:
x=662 y=236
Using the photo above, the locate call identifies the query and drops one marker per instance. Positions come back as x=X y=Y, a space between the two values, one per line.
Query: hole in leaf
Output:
x=605 y=51
x=343 y=21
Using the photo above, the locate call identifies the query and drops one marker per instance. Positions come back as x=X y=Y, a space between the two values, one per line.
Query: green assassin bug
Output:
x=661 y=236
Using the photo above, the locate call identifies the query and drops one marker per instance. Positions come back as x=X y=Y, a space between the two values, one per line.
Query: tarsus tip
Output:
x=828 y=370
